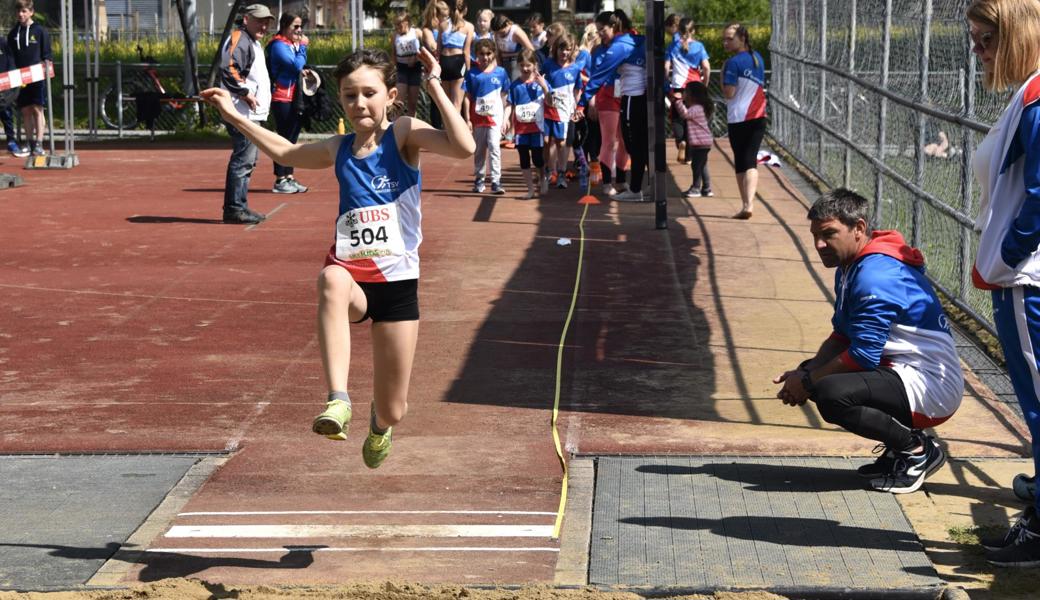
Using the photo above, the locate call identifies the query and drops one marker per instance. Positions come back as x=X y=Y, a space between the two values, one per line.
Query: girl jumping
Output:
x=372 y=269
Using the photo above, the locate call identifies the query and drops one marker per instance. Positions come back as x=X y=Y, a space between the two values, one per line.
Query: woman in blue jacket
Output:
x=1005 y=36
x=624 y=61
x=287 y=53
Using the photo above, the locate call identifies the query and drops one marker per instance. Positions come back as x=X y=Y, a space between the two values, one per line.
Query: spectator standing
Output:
x=1005 y=36
x=288 y=54
x=6 y=111
x=404 y=47
x=455 y=40
x=510 y=39
x=243 y=73
x=536 y=25
x=624 y=60
x=686 y=61
x=30 y=44
x=743 y=84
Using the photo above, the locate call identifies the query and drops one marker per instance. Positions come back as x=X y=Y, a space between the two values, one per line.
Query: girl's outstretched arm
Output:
x=318 y=155
x=455 y=141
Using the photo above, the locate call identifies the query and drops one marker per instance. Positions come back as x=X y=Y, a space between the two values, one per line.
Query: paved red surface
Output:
x=135 y=321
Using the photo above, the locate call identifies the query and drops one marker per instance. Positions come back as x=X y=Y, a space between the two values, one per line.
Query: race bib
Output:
x=485 y=108
x=369 y=232
x=527 y=113
x=407 y=46
x=563 y=101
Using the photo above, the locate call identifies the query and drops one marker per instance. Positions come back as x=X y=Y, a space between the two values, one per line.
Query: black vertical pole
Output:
x=655 y=94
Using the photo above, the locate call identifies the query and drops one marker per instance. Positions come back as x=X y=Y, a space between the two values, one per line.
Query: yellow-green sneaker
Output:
x=334 y=422
x=376 y=448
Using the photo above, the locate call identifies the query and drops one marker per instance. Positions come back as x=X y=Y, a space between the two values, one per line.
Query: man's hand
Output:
x=792 y=393
x=250 y=100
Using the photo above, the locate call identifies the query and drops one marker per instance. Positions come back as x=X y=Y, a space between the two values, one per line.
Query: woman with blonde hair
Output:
x=1005 y=36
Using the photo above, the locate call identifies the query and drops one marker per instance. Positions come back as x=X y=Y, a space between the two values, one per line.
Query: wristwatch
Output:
x=807 y=383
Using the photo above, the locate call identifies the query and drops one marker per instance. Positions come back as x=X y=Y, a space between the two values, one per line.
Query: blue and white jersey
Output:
x=528 y=102
x=1007 y=167
x=378 y=229
x=486 y=88
x=583 y=60
x=686 y=64
x=625 y=60
x=747 y=72
x=890 y=316
x=562 y=82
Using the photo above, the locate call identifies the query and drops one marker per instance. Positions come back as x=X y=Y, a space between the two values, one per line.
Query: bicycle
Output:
x=144 y=80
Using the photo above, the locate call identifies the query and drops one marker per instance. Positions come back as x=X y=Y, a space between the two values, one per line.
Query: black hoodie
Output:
x=29 y=45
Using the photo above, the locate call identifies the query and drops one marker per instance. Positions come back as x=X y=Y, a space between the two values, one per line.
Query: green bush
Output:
x=323 y=49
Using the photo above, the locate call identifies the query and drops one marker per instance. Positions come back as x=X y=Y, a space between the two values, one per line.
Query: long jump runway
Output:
x=134 y=322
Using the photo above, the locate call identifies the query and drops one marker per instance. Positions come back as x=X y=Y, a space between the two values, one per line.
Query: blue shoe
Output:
x=17 y=150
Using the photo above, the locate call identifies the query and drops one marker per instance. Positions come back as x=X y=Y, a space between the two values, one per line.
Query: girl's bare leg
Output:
x=393 y=351
x=340 y=302
x=413 y=99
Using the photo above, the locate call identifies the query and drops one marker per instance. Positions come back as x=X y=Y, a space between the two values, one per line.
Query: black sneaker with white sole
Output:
x=996 y=542
x=881 y=466
x=910 y=470
x=1023 y=551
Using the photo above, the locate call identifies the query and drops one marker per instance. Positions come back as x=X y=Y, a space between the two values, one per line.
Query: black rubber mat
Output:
x=725 y=522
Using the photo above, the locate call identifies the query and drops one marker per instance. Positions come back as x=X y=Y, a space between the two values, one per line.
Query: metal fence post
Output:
x=782 y=80
x=968 y=142
x=801 y=75
x=119 y=96
x=886 y=50
x=926 y=35
x=823 y=82
x=849 y=96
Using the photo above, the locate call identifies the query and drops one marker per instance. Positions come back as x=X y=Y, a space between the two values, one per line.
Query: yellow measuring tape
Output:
x=559 y=364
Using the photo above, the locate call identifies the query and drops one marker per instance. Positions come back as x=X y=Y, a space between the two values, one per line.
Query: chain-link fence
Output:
x=885 y=97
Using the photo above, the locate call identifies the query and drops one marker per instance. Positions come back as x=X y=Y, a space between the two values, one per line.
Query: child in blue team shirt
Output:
x=485 y=87
x=563 y=76
x=527 y=102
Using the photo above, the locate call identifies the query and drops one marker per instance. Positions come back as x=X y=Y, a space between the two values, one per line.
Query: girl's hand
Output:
x=430 y=63
x=220 y=99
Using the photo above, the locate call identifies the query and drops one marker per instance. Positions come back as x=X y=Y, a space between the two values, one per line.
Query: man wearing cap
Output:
x=243 y=72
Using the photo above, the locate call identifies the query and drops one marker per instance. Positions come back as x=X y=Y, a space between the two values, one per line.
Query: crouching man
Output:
x=890 y=368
